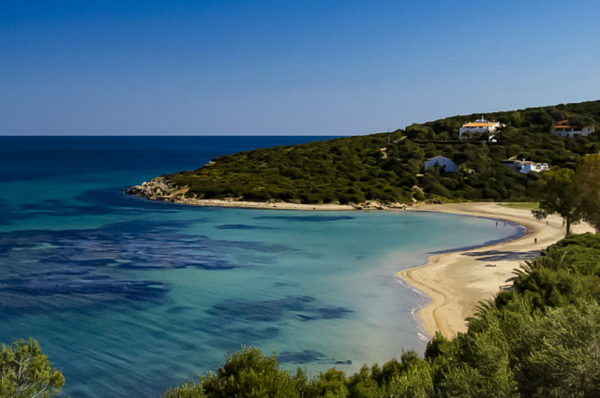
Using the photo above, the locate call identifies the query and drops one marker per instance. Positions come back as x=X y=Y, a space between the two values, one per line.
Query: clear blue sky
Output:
x=285 y=67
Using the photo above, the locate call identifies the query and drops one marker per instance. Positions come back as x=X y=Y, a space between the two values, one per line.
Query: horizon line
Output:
x=189 y=135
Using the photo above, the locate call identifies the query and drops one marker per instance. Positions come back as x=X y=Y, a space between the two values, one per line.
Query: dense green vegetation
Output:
x=26 y=372
x=573 y=194
x=388 y=167
x=539 y=339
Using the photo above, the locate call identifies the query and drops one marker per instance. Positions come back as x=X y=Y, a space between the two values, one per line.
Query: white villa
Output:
x=526 y=166
x=563 y=129
x=478 y=126
x=445 y=163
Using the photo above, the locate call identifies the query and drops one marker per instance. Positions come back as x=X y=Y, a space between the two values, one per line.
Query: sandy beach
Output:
x=457 y=281
x=263 y=205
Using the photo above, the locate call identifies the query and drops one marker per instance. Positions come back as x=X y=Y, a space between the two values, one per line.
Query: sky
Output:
x=314 y=67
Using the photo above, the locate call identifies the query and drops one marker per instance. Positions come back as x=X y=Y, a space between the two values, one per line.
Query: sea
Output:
x=129 y=297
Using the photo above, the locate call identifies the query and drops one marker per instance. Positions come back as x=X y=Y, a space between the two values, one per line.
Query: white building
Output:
x=445 y=163
x=478 y=126
x=526 y=166
x=563 y=129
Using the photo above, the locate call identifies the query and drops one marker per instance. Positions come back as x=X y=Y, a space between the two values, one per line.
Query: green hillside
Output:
x=388 y=167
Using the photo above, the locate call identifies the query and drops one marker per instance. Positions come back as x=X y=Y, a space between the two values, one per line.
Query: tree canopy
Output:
x=587 y=183
x=26 y=372
x=574 y=195
x=557 y=193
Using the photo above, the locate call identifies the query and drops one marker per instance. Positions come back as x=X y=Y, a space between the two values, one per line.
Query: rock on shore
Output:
x=157 y=189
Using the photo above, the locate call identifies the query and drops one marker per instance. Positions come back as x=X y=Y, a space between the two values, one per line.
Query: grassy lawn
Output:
x=521 y=205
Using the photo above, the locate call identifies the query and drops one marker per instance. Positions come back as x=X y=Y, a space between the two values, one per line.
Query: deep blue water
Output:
x=129 y=297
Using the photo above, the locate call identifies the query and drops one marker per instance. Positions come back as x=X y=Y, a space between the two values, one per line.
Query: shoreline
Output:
x=457 y=281
x=242 y=204
x=238 y=204
x=454 y=281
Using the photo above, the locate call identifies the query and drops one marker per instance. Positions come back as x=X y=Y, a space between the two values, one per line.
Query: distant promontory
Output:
x=493 y=156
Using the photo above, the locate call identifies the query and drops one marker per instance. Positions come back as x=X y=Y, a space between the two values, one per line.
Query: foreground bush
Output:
x=245 y=374
x=26 y=372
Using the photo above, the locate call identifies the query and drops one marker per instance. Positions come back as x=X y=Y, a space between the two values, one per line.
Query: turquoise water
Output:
x=129 y=297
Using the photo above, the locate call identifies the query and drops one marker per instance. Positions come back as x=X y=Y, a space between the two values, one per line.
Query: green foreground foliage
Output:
x=388 y=167
x=539 y=339
x=26 y=372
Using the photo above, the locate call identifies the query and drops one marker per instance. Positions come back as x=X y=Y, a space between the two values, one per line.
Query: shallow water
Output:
x=129 y=296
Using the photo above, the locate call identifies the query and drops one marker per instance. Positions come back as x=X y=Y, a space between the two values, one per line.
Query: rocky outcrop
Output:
x=155 y=189
x=374 y=205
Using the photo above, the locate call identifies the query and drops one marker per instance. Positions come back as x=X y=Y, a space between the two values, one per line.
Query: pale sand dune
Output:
x=457 y=281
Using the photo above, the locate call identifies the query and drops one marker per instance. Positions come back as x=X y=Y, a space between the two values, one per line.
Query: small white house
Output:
x=562 y=129
x=526 y=166
x=445 y=163
x=478 y=126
